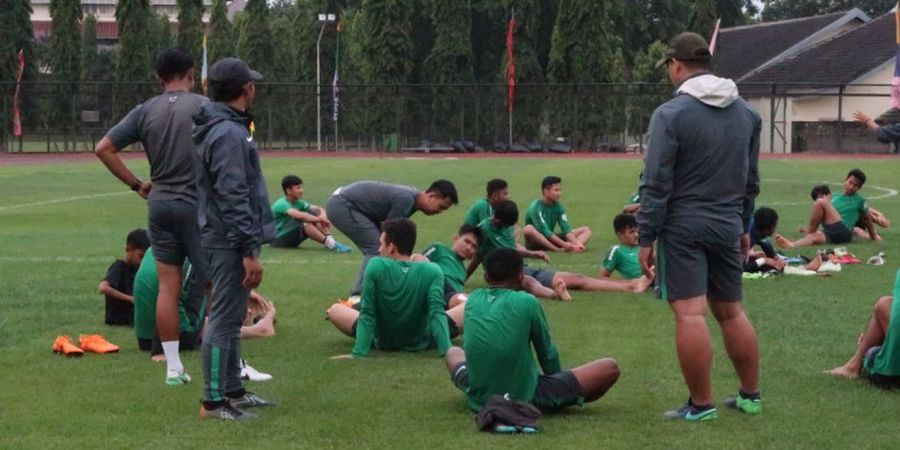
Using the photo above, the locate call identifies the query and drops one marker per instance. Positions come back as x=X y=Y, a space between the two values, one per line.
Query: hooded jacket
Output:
x=700 y=171
x=233 y=200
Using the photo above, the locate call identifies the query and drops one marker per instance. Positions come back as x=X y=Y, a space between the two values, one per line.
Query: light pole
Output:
x=324 y=19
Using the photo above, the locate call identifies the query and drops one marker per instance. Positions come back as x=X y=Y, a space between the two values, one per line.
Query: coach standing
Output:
x=697 y=194
x=235 y=220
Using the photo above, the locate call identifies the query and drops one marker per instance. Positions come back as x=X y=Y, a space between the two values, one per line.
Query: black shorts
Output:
x=552 y=393
x=175 y=234
x=837 y=233
x=544 y=276
x=688 y=268
x=451 y=324
x=291 y=239
x=187 y=340
x=887 y=382
x=449 y=292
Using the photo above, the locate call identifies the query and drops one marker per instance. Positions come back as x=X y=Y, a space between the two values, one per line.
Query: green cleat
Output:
x=747 y=405
x=692 y=413
x=174 y=378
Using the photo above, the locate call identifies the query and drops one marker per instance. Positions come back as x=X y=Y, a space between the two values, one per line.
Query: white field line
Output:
x=64 y=200
x=885 y=192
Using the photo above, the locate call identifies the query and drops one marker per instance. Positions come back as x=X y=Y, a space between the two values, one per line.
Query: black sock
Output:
x=700 y=407
x=236 y=394
x=753 y=396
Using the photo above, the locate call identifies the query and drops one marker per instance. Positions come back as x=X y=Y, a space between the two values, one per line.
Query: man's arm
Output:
x=106 y=289
x=752 y=177
x=473 y=264
x=440 y=330
x=228 y=167
x=657 y=183
x=304 y=216
x=122 y=135
x=365 y=324
x=544 y=348
x=536 y=254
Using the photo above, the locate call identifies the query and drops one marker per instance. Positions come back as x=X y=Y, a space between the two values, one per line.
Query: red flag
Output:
x=715 y=37
x=510 y=62
x=17 y=120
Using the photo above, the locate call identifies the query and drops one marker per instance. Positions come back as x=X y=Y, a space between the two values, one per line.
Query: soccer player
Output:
x=452 y=260
x=838 y=215
x=402 y=304
x=162 y=125
x=497 y=360
x=623 y=257
x=877 y=354
x=118 y=284
x=497 y=191
x=236 y=220
x=358 y=210
x=296 y=219
x=542 y=218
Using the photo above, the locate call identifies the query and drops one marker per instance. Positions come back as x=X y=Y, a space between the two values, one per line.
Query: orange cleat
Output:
x=64 y=345
x=97 y=344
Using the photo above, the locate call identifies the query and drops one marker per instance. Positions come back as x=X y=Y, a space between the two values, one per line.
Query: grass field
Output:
x=61 y=225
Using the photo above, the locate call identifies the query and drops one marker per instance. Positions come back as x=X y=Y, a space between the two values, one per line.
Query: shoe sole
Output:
x=175 y=381
x=69 y=355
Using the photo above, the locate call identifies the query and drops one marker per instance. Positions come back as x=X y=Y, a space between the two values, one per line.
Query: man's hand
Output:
x=347 y=356
x=540 y=254
x=777 y=263
x=576 y=247
x=745 y=245
x=252 y=272
x=645 y=257
x=144 y=190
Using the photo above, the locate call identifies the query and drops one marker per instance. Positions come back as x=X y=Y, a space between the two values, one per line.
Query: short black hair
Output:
x=859 y=175
x=470 y=229
x=290 y=181
x=495 y=185
x=819 y=190
x=138 y=239
x=506 y=213
x=623 y=222
x=400 y=232
x=171 y=63
x=765 y=219
x=550 y=181
x=444 y=189
x=503 y=264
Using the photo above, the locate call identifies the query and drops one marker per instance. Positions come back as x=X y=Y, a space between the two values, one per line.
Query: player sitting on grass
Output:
x=877 y=354
x=762 y=227
x=402 y=304
x=451 y=261
x=543 y=216
x=497 y=360
x=624 y=257
x=118 y=283
x=497 y=191
x=837 y=215
x=498 y=232
x=296 y=219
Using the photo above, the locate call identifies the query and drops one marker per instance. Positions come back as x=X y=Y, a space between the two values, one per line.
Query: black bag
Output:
x=501 y=411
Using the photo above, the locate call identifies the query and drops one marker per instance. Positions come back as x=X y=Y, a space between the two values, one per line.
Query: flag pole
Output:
x=510 y=71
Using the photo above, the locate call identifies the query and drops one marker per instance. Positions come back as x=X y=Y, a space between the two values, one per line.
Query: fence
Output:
x=65 y=117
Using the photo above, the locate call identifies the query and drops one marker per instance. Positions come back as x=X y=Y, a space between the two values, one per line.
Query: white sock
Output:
x=329 y=242
x=173 y=359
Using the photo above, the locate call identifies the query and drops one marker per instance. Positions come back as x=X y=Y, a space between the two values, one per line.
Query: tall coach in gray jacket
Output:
x=697 y=194
x=235 y=220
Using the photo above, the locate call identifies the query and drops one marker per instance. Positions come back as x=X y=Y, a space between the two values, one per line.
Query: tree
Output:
x=160 y=38
x=731 y=12
x=16 y=34
x=220 y=39
x=65 y=61
x=584 y=50
x=489 y=19
x=134 y=62
x=791 y=9
x=89 y=51
x=190 y=28
x=449 y=62
x=653 y=90
x=254 y=44
x=641 y=22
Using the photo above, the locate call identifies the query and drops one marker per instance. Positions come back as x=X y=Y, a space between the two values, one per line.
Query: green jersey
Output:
x=451 y=265
x=888 y=360
x=849 y=207
x=283 y=222
x=146 y=289
x=624 y=259
x=494 y=237
x=501 y=327
x=402 y=308
x=479 y=211
x=545 y=216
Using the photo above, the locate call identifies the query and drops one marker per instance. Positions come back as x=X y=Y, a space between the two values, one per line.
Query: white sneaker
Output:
x=249 y=373
x=174 y=378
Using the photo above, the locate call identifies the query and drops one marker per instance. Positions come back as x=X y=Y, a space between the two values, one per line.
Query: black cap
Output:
x=686 y=46
x=232 y=73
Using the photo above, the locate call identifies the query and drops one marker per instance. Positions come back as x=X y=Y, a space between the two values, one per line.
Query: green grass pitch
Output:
x=62 y=224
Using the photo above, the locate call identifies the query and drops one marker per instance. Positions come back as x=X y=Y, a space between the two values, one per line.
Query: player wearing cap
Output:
x=235 y=220
x=697 y=193
x=162 y=125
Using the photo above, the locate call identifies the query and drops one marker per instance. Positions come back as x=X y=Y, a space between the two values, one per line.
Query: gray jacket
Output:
x=700 y=172
x=233 y=200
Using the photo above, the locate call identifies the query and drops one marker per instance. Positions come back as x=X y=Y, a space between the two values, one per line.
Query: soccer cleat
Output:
x=249 y=373
x=226 y=412
x=64 y=345
x=96 y=344
x=341 y=248
x=174 y=378
x=747 y=405
x=692 y=413
x=250 y=400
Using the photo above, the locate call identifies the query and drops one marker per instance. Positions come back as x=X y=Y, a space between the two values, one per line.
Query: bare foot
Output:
x=158 y=358
x=559 y=286
x=641 y=284
x=802 y=229
x=814 y=264
x=783 y=242
x=844 y=371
